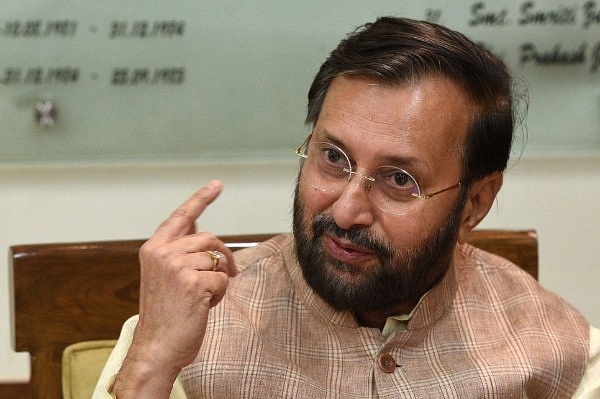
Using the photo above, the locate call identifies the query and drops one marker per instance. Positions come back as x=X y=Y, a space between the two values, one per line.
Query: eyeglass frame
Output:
x=350 y=172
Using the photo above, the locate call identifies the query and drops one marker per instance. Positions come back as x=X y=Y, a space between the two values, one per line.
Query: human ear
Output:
x=479 y=201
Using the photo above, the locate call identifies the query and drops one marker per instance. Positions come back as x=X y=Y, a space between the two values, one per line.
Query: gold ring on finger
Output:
x=215 y=256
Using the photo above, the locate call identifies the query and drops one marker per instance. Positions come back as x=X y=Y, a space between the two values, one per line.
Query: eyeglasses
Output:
x=327 y=168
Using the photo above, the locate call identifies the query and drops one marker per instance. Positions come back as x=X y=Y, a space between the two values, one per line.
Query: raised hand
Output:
x=180 y=282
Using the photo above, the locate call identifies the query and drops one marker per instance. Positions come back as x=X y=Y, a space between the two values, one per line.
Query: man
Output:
x=376 y=293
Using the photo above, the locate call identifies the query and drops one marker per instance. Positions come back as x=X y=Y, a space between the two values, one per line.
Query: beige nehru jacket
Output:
x=487 y=330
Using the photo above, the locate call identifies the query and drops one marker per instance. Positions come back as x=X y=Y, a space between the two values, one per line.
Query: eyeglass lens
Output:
x=327 y=168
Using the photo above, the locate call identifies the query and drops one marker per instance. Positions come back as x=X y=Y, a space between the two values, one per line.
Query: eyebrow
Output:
x=388 y=160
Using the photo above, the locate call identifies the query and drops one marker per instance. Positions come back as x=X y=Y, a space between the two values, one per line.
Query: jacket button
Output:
x=387 y=363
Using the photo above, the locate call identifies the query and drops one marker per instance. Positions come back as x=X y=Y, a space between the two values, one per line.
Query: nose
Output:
x=369 y=179
x=353 y=207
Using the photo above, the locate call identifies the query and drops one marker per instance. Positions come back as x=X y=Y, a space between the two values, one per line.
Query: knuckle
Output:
x=209 y=237
x=146 y=250
x=150 y=251
x=161 y=252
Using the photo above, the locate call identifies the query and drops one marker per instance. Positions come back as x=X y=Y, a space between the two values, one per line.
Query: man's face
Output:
x=354 y=255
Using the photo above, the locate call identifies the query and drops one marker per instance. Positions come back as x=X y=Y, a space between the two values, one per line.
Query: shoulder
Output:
x=512 y=292
x=478 y=265
x=509 y=304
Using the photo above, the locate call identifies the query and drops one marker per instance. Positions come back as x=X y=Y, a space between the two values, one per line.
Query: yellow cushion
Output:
x=82 y=364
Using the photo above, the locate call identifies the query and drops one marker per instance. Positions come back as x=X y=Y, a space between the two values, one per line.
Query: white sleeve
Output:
x=589 y=388
x=113 y=365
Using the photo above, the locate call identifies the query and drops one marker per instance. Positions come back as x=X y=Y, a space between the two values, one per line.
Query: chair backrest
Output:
x=67 y=293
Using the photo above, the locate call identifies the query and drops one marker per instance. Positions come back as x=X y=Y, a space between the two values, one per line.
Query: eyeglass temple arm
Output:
x=299 y=151
x=427 y=196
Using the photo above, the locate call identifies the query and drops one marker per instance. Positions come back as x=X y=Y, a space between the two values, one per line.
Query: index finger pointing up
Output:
x=182 y=220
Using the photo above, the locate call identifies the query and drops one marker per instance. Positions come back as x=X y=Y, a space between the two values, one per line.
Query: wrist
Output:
x=141 y=377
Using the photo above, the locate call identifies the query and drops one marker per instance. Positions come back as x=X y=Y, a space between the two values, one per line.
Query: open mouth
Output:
x=346 y=251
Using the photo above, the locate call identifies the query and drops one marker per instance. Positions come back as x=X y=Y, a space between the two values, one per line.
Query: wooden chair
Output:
x=67 y=293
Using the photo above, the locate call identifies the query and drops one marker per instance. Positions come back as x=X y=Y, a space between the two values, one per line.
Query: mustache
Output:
x=324 y=223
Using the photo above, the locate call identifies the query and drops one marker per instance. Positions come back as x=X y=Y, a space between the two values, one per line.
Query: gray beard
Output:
x=402 y=276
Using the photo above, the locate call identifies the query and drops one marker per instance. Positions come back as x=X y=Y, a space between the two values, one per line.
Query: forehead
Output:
x=426 y=121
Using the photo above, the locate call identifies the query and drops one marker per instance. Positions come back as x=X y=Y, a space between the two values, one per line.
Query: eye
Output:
x=333 y=155
x=396 y=183
x=402 y=179
x=330 y=156
x=397 y=178
x=328 y=160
